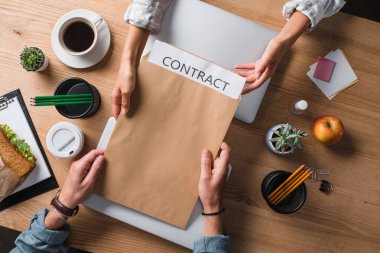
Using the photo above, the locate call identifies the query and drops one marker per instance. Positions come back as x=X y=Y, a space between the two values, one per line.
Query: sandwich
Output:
x=16 y=160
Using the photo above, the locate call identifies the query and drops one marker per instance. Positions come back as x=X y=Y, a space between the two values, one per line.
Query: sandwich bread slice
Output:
x=16 y=160
x=15 y=153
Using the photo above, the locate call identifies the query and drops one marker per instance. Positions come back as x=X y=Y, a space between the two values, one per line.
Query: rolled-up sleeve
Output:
x=315 y=10
x=40 y=239
x=212 y=244
x=146 y=14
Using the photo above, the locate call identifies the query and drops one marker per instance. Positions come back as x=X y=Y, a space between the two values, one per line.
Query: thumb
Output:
x=95 y=170
x=206 y=164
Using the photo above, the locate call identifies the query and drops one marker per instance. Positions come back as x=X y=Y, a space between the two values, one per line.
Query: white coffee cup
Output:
x=70 y=32
x=65 y=140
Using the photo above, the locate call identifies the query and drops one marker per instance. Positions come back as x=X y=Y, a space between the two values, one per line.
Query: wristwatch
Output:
x=61 y=208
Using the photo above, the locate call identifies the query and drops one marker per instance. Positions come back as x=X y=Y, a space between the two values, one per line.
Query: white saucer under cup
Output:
x=95 y=54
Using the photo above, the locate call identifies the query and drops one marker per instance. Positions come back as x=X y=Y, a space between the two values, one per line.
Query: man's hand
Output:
x=81 y=179
x=213 y=179
x=211 y=185
x=78 y=185
x=121 y=93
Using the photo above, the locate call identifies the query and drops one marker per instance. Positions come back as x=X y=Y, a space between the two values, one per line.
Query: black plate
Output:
x=75 y=85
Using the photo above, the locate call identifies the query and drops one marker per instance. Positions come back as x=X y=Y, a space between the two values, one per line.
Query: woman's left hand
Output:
x=259 y=71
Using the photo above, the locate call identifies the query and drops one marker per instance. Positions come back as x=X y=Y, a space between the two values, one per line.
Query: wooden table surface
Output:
x=348 y=220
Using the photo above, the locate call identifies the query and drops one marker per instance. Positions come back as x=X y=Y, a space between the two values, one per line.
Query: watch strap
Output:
x=69 y=212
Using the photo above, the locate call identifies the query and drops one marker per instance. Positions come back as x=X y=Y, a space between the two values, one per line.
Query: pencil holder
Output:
x=290 y=204
x=75 y=85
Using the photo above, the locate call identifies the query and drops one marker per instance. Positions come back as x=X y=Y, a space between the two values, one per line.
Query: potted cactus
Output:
x=33 y=59
x=284 y=139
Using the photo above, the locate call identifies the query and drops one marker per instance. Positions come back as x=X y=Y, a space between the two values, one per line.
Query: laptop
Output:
x=218 y=36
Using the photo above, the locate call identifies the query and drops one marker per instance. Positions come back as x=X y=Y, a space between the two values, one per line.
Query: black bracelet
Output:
x=213 y=214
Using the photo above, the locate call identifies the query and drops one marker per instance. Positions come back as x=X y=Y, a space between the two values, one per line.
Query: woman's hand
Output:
x=211 y=185
x=259 y=71
x=122 y=91
x=126 y=81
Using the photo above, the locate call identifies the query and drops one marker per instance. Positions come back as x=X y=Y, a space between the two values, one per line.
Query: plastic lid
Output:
x=65 y=140
x=301 y=105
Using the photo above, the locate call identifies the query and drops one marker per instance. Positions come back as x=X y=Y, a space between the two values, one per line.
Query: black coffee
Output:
x=78 y=36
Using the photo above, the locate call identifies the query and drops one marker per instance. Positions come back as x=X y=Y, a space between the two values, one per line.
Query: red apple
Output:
x=328 y=129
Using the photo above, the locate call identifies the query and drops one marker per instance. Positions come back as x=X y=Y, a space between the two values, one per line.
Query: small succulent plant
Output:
x=32 y=58
x=287 y=138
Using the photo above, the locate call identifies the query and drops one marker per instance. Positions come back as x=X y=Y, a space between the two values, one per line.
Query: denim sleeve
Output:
x=212 y=244
x=40 y=239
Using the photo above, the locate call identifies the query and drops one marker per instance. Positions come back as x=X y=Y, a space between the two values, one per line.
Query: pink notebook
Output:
x=324 y=69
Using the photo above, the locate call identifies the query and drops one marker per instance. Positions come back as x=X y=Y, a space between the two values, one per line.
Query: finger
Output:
x=246 y=73
x=96 y=167
x=221 y=164
x=116 y=103
x=251 y=78
x=248 y=89
x=258 y=82
x=224 y=154
x=82 y=166
x=261 y=66
x=205 y=164
x=89 y=158
x=250 y=65
x=125 y=102
x=243 y=74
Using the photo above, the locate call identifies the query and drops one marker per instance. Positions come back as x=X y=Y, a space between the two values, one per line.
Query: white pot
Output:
x=269 y=136
x=46 y=63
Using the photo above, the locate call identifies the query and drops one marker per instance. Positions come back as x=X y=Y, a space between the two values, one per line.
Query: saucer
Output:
x=93 y=57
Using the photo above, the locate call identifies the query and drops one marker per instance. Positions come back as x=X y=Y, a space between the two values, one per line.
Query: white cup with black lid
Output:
x=65 y=140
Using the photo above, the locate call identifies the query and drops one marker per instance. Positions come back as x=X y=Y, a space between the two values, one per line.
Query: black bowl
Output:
x=291 y=203
x=75 y=85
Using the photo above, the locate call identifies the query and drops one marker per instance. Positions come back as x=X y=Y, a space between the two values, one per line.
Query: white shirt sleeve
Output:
x=315 y=10
x=146 y=14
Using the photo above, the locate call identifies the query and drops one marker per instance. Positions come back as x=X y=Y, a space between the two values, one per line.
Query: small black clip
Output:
x=3 y=103
x=326 y=187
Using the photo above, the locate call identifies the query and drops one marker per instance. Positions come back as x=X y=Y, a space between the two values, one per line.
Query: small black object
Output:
x=213 y=214
x=290 y=204
x=326 y=187
x=75 y=85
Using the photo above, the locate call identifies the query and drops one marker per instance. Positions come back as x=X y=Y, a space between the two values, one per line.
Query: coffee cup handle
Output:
x=97 y=20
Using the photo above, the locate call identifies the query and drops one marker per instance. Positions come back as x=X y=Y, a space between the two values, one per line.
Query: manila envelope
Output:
x=153 y=157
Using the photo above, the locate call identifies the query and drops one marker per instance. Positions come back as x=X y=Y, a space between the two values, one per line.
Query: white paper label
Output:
x=196 y=69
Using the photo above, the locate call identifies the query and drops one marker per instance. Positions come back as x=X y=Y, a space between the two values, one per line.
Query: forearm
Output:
x=213 y=225
x=293 y=29
x=133 y=48
x=53 y=221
